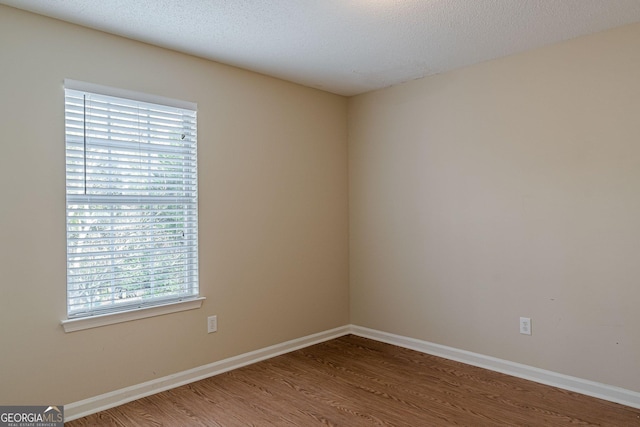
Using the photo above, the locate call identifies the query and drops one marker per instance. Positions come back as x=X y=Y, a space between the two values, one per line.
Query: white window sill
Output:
x=72 y=325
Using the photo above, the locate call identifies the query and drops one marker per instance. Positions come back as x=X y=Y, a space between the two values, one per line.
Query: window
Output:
x=132 y=206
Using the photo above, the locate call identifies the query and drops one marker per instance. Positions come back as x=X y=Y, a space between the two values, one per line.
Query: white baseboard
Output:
x=566 y=382
x=115 y=398
x=119 y=397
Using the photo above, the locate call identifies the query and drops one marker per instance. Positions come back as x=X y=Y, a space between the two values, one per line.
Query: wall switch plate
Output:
x=525 y=325
x=212 y=324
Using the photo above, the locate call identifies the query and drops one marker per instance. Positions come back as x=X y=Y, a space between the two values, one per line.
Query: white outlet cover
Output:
x=212 y=324
x=525 y=325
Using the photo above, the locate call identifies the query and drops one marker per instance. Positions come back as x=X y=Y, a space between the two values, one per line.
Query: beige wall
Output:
x=506 y=189
x=273 y=213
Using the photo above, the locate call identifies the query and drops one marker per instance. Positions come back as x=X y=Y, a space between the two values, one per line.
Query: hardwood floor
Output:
x=353 y=381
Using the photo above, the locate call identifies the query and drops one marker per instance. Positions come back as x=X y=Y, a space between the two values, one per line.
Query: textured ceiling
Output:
x=344 y=46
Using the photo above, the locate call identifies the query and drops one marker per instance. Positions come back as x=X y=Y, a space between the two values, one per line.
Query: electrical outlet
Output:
x=212 y=324
x=525 y=325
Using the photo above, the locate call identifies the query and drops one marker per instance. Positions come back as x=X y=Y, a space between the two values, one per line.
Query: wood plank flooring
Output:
x=353 y=381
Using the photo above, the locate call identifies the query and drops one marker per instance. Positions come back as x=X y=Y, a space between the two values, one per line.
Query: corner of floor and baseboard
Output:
x=119 y=397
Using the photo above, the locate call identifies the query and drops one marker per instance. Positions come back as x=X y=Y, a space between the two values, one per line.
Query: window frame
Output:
x=152 y=306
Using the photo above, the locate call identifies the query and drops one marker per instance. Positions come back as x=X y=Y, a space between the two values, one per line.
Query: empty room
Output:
x=363 y=212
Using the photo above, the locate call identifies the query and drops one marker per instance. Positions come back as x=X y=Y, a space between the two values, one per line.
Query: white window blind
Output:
x=132 y=212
